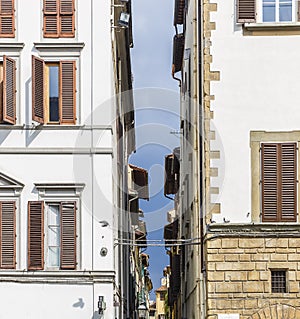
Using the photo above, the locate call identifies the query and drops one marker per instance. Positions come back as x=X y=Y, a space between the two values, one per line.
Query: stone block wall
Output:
x=238 y=274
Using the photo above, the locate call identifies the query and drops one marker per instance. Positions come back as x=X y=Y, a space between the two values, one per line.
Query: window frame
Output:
x=256 y=139
x=259 y=13
x=58 y=14
x=273 y=283
x=46 y=232
x=45 y=105
x=280 y=158
x=13 y=15
x=249 y=14
x=48 y=267
x=58 y=193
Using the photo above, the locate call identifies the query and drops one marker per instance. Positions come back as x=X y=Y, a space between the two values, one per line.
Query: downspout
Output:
x=173 y=75
x=202 y=290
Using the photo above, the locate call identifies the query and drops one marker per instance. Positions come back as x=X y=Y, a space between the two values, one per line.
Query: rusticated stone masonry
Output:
x=238 y=273
x=209 y=75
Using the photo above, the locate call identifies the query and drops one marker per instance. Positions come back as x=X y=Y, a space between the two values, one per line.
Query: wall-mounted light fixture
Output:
x=124 y=19
x=142 y=311
x=101 y=305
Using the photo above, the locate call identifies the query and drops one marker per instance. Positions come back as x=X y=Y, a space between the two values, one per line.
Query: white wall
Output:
x=259 y=90
x=92 y=166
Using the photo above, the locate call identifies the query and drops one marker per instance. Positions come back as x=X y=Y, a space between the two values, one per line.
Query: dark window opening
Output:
x=278 y=279
x=54 y=93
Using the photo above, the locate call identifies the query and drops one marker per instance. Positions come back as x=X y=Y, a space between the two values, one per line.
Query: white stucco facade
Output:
x=258 y=91
x=57 y=163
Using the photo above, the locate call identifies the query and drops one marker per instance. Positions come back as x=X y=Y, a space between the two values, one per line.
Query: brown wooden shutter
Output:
x=38 y=71
x=279 y=182
x=36 y=235
x=7 y=19
x=8 y=235
x=67 y=92
x=9 y=90
x=67 y=18
x=139 y=178
x=246 y=11
x=288 y=182
x=175 y=273
x=68 y=235
x=51 y=18
x=269 y=182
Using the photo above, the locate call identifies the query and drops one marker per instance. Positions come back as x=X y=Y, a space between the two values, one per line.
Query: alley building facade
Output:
x=237 y=200
x=66 y=134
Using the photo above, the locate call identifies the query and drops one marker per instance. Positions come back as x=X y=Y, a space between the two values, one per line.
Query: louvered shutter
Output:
x=269 y=182
x=169 y=178
x=8 y=235
x=288 y=182
x=68 y=235
x=38 y=71
x=279 y=182
x=7 y=18
x=9 y=90
x=140 y=181
x=51 y=18
x=176 y=274
x=246 y=11
x=67 y=18
x=36 y=235
x=68 y=92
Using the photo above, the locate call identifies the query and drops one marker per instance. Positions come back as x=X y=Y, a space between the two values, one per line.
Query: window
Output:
x=8 y=90
x=7 y=19
x=162 y=296
x=278 y=281
x=53 y=91
x=52 y=235
x=59 y=18
x=278 y=10
x=8 y=235
x=272 y=11
x=279 y=182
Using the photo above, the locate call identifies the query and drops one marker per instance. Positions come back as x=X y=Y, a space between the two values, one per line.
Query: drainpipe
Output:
x=199 y=40
x=173 y=75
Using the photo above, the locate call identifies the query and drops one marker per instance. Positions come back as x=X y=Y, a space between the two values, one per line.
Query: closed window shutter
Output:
x=68 y=235
x=279 y=182
x=7 y=18
x=68 y=92
x=67 y=21
x=288 y=182
x=175 y=271
x=38 y=70
x=269 y=182
x=8 y=235
x=36 y=235
x=9 y=90
x=246 y=11
x=51 y=18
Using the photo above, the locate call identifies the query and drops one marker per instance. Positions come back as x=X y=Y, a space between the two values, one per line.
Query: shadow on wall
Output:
x=79 y=304
x=3 y=135
x=30 y=134
x=97 y=316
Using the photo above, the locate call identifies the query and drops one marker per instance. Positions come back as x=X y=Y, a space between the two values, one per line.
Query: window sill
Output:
x=272 y=26
x=264 y=28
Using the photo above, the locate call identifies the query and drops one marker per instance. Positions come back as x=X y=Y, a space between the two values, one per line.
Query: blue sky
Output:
x=157 y=108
